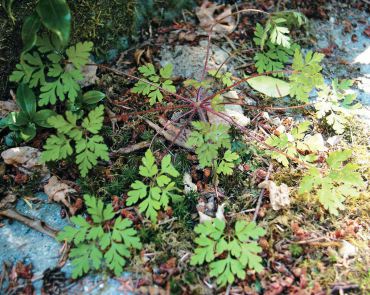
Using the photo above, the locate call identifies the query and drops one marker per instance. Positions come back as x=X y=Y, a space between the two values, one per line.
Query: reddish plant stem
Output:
x=247 y=132
x=268 y=107
x=165 y=108
x=118 y=72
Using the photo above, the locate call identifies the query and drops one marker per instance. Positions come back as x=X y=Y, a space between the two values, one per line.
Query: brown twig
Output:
x=36 y=224
x=131 y=148
x=167 y=135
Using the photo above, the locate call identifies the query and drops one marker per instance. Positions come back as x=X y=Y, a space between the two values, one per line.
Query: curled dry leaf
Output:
x=58 y=191
x=222 y=23
x=279 y=195
x=26 y=159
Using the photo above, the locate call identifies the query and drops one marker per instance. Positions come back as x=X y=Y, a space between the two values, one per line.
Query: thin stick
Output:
x=259 y=202
x=36 y=224
x=131 y=148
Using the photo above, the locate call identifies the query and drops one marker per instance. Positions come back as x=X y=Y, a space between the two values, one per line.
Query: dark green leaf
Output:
x=28 y=132
x=56 y=16
x=26 y=99
x=92 y=97
x=40 y=118
x=30 y=28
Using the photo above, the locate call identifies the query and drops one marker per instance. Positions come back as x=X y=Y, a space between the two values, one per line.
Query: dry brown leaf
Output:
x=279 y=195
x=223 y=23
x=27 y=159
x=6 y=107
x=58 y=191
x=6 y=201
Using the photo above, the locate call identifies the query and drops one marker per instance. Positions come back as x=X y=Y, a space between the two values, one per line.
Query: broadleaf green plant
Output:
x=228 y=255
x=24 y=122
x=53 y=15
x=150 y=86
x=89 y=146
x=159 y=189
x=334 y=185
x=104 y=241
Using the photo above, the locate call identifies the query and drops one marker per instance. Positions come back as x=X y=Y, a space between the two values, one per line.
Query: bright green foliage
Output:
x=225 y=78
x=88 y=149
x=45 y=68
x=306 y=74
x=227 y=163
x=334 y=102
x=23 y=123
x=291 y=143
x=239 y=250
x=158 y=190
x=273 y=57
x=208 y=139
x=333 y=186
x=151 y=86
x=95 y=244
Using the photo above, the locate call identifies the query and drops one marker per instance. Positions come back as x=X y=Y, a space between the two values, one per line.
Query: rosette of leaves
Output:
x=23 y=124
x=151 y=86
x=335 y=184
x=101 y=241
x=228 y=255
x=293 y=145
x=55 y=71
x=88 y=144
x=334 y=102
x=208 y=140
x=158 y=190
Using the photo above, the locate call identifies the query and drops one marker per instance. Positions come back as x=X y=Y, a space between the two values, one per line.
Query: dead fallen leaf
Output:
x=58 y=191
x=6 y=107
x=223 y=23
x=26 y=159
x=279 y=195
x=6 y=201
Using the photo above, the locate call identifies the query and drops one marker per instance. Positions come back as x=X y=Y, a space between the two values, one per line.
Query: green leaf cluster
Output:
x=53 y=15
x=291 y=144
x=338 y=182
x=333 y=103
x=55 y=73
x=150 y=87
x=88 y=144
x=306 y=74
x=158 y=189
x=272 y=57
x=101 y=242
x=23 y=123
x=208 y=139
x=228 y=255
